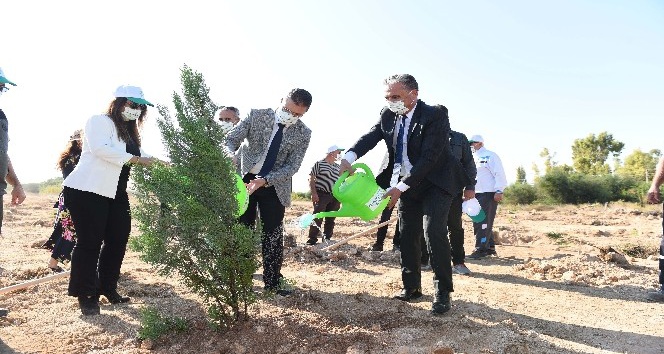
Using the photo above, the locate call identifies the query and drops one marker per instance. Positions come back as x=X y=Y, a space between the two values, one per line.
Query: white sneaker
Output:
x=461 y=269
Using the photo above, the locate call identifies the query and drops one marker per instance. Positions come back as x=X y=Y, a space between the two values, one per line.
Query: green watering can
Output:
x=359 y=195
x=242 y=195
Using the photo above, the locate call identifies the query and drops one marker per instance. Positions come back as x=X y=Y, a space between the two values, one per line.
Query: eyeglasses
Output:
x=4 y=88
x=296 y=115
x=134 y=105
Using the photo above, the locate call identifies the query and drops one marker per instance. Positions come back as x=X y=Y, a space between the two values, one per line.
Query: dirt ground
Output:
x=554 y=288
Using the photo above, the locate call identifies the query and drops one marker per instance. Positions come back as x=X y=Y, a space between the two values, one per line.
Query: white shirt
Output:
x=490 y=173
x=406 y=166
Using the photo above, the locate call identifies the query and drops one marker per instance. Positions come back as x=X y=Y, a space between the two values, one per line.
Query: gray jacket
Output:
x=257 y=128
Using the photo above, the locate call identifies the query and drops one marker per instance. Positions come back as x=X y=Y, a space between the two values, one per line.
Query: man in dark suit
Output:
x=423 y=177
x=275 y=142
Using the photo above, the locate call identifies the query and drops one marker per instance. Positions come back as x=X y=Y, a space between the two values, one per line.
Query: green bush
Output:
x=305 y=196
x=155 y=325
x=187 y=209
x=564 y=186
x=520 y=193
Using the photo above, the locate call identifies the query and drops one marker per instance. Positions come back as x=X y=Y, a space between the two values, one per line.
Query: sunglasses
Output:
x=134 y=105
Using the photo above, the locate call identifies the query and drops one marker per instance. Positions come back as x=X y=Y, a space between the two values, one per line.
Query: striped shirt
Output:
x=325 y=174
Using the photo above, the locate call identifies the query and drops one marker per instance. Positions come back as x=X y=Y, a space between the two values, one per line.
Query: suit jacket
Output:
x=461 y=151
x=102 y=158
x=257 y=128
x=428 y=148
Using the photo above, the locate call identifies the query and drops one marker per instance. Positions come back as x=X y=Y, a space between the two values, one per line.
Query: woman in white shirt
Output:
x=96 y=195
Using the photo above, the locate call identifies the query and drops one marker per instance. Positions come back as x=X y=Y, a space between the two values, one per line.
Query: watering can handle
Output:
x=365 y=168
x=342 y=178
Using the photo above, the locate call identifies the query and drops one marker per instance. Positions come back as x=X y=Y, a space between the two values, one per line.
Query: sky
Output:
x=526 y=75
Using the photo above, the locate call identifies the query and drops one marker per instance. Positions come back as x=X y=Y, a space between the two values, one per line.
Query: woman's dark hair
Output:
x=70 y=155
x=127 y=131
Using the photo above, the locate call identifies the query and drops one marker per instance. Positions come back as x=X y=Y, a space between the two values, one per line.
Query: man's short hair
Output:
x=230 y=108
x=406 y=79
x=300 y=97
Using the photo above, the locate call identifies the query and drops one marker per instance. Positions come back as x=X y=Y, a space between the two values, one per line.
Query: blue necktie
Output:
x=398 y=154
x=271 y=156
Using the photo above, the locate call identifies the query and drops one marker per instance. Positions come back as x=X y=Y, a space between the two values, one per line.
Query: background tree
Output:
x=187 y=210
x=640 y=165
x=520 y=175
x=590 y=154
x=549 y=163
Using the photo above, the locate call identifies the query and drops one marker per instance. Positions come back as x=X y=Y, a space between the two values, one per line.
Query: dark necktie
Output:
x=398 y=154
x=271 y=156
x=399 y=148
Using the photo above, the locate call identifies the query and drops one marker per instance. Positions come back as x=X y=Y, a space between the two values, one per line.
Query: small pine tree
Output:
x=520 y=175
x=187 y=209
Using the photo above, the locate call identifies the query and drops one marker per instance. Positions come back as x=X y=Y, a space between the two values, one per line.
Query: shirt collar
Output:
x=409 y=115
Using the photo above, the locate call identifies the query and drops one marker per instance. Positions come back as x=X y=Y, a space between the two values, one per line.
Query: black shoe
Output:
x=441 y=303
x=492 y=252
x=284 y=292
x=377 y=247
x=409 y=294
x=114 y=298
x=478 y=253
x=89 y=305
x=312 y=241
x=278 y=291
x=56 y=269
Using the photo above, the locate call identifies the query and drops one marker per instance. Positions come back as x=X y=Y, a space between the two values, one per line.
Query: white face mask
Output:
x=131 y=114
x=398 y=107
x=226 y=126
x=285 y=118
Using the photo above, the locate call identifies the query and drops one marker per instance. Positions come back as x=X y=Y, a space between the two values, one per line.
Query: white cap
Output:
x=476 y=139
x=334 y=148
x=5 y=80
x=133 y=93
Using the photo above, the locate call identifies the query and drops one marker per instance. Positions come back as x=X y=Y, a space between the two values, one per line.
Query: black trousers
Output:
x=455 y=226
x=484 y=230
x=102 y=230
x=272 y=238
x=326 y=202
x=423 y=210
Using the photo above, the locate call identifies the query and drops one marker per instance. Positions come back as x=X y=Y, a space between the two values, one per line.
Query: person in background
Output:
x=489 y=188
x=63 y=237
x=321 y=179
x=96 y=194
x=654 y=197
x=227 y=117
x=386 y=215
x=461 y=150
x=423 y=177
x=276 y=142
x=8 y=176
